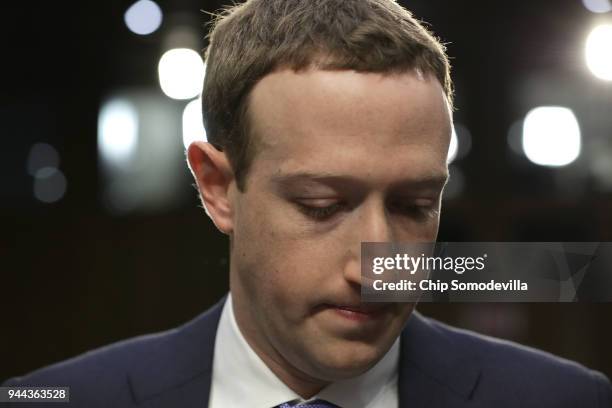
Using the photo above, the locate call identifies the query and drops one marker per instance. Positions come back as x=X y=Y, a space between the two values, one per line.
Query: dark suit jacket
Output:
x=440 y=366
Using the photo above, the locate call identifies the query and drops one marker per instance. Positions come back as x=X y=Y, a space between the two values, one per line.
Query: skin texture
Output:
x=342 y=157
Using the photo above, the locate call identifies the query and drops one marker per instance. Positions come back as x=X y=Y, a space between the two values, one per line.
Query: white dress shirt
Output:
x=241 y=379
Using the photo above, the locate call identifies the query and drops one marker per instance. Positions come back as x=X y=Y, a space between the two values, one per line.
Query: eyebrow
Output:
x=433 y=180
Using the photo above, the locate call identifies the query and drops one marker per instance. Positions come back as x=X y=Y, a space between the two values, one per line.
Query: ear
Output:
x=213 y=174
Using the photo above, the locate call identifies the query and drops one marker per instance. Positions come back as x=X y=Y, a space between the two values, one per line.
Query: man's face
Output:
x=342 y=157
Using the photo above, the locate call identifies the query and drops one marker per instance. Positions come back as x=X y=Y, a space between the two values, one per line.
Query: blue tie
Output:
x=312 y=404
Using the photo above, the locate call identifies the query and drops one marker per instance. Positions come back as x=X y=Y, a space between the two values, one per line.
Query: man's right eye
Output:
x=319 y=213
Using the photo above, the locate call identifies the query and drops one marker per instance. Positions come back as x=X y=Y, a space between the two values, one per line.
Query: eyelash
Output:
x=320 y=213
x=420 y=212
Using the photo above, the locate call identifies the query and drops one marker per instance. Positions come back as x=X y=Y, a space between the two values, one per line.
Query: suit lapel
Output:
x=434 y=370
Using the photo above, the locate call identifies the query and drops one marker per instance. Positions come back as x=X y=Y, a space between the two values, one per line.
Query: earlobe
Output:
x=213 y=175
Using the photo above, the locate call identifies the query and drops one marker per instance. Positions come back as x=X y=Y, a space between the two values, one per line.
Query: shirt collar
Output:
x=240 y=375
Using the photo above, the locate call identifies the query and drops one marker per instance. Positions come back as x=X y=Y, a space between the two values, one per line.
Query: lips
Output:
x=361 y=312
x=362 y=308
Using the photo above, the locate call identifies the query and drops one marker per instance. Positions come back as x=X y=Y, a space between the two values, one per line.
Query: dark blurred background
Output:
x=101 y=234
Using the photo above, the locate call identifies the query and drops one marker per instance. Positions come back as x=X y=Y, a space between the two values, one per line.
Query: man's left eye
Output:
x=417 y=211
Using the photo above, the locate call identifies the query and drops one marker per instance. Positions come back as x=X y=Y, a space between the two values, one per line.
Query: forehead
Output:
x=362 y=124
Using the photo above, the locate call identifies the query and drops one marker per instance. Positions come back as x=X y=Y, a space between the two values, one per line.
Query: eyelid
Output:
x=320 y=213
x=318 y=202
x=417 y=201
x=422 y=206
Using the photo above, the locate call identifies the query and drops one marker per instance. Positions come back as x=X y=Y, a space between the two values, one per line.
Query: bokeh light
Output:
x=460 y=143
x=42 y=155
x=598 y=6
x=181 y=73
x=453 y=147
x=143 y=17
x=117 y=131
x=49 y=185
x=551 y=136
x=598 y=52
x=193 y=124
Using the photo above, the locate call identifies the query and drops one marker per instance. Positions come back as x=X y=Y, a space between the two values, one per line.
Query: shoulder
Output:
x=523 y=374
x=102 y=372
x=118 y=372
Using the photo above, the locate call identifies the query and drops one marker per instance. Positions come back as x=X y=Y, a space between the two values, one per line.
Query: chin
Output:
x=349 y=362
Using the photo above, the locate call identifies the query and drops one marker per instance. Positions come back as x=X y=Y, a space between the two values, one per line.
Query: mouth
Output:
x=361 y=312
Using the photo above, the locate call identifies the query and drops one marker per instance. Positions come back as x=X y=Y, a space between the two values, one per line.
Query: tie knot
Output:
x=318 y=403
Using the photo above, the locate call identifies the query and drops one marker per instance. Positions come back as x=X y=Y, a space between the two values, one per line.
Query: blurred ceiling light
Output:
x=193 y=124
x=42 y=155
x=597 y=6
x=143 y=17
x=460 y=143
x=598 y=52
x=551 y=136
x=453 y=147
x=117 y=131
x=142 y=168
x=49 y=185
x=181 y=73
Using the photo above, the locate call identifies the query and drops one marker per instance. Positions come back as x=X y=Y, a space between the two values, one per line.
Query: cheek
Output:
x=417 y=232
x=297 y=272
x=275 y=260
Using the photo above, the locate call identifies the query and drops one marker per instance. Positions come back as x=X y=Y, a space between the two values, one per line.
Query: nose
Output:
x=371 y=224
